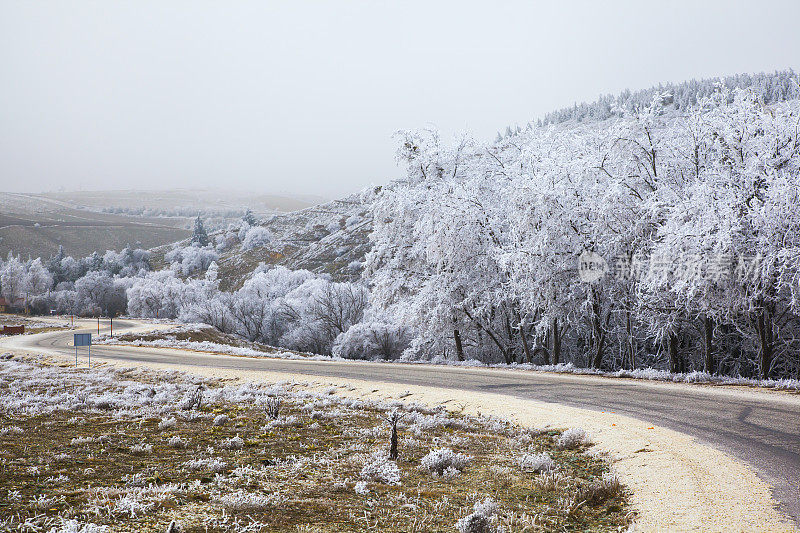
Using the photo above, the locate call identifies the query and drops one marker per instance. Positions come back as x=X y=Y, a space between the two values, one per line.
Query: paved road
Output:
x=760 y=428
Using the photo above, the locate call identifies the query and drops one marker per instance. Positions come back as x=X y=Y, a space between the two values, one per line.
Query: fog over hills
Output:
x=87 y=221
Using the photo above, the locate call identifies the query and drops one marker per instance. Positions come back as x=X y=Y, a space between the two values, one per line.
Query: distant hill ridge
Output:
x=774 y=87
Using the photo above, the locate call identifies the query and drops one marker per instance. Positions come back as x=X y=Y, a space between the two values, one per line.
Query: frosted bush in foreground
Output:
x=537 y=463
x=443 y=460
x=481 y=520
x=381 y=470
x=361 y=488
x=572 y=438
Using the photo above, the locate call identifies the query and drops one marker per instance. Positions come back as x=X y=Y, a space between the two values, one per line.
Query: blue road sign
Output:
x=83 y=339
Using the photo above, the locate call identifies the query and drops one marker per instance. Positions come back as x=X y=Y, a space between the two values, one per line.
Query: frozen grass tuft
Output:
x=600 y=491
x=250 y=501
x=442 y=460
x=537 y=463
x=167 y=423
x=361 y=488
x=176 y=442
x=550 y=482
x=212 y=465
x=141 y=449
x=12 y=430
x=285 y=422
x=235 y=443
x=221 y=420
x=73 y=526
x=272 y=408
x=482 y=518
x=573 y=438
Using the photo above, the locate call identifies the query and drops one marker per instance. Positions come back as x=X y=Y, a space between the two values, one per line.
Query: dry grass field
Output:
x=106 y=450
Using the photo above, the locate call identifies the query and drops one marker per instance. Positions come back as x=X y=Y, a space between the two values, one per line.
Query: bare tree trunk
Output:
x=556 y=353
x=525 y=347
x=764 y=325
x=708 y=348
x=631 y=344
x=393 y=419
x=597 y=332
x=459 y=346
x=492 y=336
x=674 y=364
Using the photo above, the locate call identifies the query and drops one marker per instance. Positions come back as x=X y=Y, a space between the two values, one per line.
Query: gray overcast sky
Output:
x=304 y=97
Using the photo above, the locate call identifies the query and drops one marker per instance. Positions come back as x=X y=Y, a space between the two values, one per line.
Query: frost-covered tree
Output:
x=199 y=235
x=256 y=237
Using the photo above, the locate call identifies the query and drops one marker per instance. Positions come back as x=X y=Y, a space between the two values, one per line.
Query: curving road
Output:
x=760 y=428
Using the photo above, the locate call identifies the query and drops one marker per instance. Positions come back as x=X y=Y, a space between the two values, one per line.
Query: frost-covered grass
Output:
x=105 y=450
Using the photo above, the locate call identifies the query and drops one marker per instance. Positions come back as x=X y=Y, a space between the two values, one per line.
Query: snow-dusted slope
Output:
x=329 y=238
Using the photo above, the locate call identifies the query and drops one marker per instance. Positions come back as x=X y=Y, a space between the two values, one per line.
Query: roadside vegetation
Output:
x=33 y=324
x=112 y=450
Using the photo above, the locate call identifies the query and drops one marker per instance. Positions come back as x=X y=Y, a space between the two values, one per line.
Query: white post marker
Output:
x=83 y=339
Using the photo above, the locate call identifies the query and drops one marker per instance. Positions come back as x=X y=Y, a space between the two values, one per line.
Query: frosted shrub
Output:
x=372 y=339
x=249 y=501
x=572 y=438
x=176 y=442
x=235 y=443
x=475 y=523
x=440 y=460
x=536 y=463
x=380 y=469
x=481 y=520
x=167 y=423
x=450 y=473
x=255 y=237
x=221 y=420
x=80 y=441
x=12 y=430
x=141 y=449
x=361 y=488
x=131 y=506
x=487 y=507
x=285 y=422
x=193 y=400
x=42 y=502
x=272 y=408
x=190 y=259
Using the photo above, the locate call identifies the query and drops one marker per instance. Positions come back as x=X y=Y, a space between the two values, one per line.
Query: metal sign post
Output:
x=83 y=339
